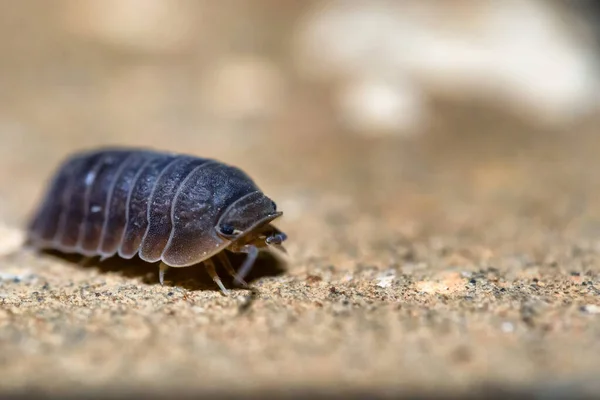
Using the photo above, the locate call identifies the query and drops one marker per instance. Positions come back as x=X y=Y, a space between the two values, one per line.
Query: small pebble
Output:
x=591 y=309
x=507 y=327
x=16 y=278
x=386 y=280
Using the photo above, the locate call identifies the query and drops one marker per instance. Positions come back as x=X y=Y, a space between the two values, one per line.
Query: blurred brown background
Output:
x=435 y=161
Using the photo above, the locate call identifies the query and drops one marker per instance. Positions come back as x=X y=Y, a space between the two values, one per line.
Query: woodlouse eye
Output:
x=273 y=205
x=227 y=229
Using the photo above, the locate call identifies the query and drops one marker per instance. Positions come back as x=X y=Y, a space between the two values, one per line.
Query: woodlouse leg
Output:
x=162 y=268
x=85 y=261
x=225 y=262
x=210 y=267
x=252 y=252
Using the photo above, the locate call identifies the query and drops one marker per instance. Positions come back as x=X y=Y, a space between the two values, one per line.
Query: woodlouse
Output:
x=174 y=208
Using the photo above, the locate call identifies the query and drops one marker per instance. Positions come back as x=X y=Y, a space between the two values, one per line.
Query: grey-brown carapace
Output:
x=178 y=209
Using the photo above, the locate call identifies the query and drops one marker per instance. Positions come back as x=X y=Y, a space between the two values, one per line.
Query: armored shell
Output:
x=174 y=208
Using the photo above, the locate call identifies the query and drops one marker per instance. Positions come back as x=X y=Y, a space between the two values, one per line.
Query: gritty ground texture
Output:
x=462 y=258
x=487 y=276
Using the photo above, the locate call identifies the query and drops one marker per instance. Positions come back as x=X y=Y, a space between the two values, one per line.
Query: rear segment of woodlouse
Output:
x=173 y=208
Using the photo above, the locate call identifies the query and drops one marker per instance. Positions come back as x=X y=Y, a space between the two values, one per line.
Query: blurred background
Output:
x=297 y=92
x=466 y=127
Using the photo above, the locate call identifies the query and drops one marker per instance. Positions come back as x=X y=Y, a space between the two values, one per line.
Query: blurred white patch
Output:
x=377 y=107
x=154 y=26
x=507 y=327
x=523 y=54
x=24 y=277
x=11 y=240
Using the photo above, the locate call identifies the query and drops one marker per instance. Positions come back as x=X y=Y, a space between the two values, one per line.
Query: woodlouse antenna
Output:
x=275 y=242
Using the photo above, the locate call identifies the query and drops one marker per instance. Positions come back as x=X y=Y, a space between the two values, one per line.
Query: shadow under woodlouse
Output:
x=192 y=278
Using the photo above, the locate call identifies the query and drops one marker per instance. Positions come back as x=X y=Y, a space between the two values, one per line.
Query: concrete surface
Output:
x=443 y=271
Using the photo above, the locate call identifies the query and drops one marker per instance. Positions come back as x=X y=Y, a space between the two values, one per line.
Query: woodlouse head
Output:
x=246 y=224
x=248 y=219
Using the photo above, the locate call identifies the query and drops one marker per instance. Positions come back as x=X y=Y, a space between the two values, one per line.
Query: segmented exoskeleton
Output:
x=178 y=209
